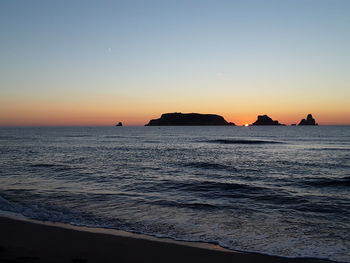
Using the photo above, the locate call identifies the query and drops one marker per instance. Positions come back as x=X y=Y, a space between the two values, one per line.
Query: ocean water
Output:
x=275 y=190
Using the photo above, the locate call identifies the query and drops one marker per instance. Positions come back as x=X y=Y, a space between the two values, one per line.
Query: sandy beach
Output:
x=29 y=241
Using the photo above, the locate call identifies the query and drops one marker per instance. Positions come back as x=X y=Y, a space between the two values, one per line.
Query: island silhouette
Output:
x=308 y=121
x=189 y=119
x=199 y=119
x=265 y=120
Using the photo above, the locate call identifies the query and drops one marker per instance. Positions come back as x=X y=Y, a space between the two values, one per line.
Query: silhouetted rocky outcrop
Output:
x=188 y=119
x=119 y=124
x=265 y=120
x=308 y=121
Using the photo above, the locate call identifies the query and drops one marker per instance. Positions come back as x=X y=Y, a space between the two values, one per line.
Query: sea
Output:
x=277 y=190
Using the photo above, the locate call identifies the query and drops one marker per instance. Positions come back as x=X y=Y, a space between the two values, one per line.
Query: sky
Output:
x=82 y=62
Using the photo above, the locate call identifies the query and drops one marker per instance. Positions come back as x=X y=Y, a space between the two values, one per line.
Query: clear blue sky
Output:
x=96 y=60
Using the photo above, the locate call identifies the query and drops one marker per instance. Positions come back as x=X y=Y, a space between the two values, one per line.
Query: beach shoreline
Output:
x=26 y=240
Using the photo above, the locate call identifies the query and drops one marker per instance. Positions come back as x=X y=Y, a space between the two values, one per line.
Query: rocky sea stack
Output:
x=119 y=124
x=188 y=119
x=265 y=120
x=308 y=121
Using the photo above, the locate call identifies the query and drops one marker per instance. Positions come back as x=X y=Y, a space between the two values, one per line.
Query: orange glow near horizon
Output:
x=69 y=115
x=127 y=121
x=107 y=111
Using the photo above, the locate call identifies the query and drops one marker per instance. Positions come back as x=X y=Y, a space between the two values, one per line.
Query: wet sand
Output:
x=30 y=241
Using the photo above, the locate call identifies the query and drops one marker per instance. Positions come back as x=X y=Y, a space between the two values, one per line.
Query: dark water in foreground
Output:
x=274 y=190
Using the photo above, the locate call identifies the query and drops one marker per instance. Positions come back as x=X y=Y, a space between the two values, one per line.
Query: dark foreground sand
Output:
x=23 y=241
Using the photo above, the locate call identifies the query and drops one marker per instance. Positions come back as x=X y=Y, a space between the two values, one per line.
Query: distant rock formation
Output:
x=308 y=121
x=119 y=124
x=188 y=119
x=265 y=120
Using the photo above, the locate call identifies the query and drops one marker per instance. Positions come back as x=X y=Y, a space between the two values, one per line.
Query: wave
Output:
x=209 y=165
x=114 y=136
x=7 y=137
x=230 y=141
x=53 y=213
x=329 y=149
x=22 y=138
x=44 y=165
x=324 y=182
x=52 y=167
x=184 y=205
x=302 y=164
x=216 y=187
x=77 y=136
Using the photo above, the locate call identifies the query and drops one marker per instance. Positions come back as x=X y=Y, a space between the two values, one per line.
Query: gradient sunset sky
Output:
x=101 y=62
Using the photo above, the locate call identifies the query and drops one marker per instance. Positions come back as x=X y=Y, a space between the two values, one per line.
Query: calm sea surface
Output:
x=275 y=190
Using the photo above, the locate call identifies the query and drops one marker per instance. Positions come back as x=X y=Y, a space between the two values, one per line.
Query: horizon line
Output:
x=143 y=125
